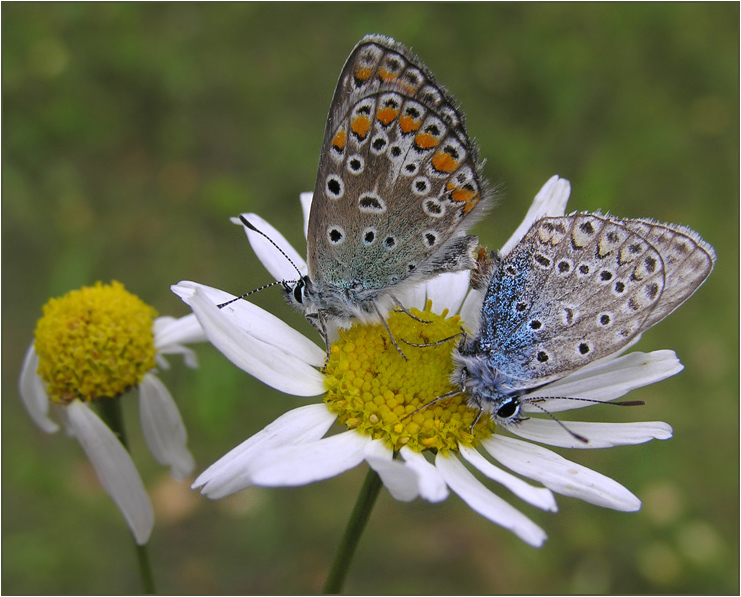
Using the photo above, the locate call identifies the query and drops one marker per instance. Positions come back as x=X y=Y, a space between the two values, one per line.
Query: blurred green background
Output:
x=131 y=132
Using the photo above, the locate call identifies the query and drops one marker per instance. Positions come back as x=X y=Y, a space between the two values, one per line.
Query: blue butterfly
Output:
x=575 y=289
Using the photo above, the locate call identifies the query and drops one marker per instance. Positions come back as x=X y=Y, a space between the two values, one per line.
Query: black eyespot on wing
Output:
x=334 y=186
x=587 y=228
x=652 y=290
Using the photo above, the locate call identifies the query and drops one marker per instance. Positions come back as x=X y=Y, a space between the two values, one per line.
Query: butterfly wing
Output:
x=398 y=179
x=581 y=287
x=688 y=261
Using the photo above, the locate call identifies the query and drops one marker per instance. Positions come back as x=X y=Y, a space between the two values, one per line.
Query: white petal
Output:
x=486 y=503
x=183 y=330
x=189 y=357
x=448 y=291
x=550 y=201
x=275 y=262
x=432 y=486
x=290 y=466
x=33 y=394
x=537 y=496
x=258 y=323
x=263 y=346
x=60 y=413
x=170 y=334
x=600 y=435
x=560 y=475
x=607 y=380
x=471 y=310
x=306 y=199
x=163 y=427
x=115 y=469
x=300 y=425
x=413 y=296
x=400 y=480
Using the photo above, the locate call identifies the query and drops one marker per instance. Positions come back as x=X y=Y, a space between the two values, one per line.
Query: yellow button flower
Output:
x=91 y=346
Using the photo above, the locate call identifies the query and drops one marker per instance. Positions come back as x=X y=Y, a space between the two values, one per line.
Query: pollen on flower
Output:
x=95 y=342
x=376 y=392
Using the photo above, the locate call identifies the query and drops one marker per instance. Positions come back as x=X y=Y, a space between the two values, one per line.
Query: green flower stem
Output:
x=358 y=519
x=111 y=413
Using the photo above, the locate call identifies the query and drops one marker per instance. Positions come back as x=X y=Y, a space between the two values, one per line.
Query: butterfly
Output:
x=398 y=185
x=575 y=289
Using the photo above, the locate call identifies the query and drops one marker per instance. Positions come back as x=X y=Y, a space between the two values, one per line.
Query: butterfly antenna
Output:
x=534 y=402
x=249 y=225
x=438 y=343
x=590 y=400
x=246 y=294
x=452 y=394
x=581 y=438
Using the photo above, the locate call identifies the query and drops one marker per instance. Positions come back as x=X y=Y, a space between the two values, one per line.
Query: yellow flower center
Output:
x=376 y=392
x=94 y=343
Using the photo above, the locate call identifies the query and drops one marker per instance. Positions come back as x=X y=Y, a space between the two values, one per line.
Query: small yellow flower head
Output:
x=375 y=391
x=94 y=343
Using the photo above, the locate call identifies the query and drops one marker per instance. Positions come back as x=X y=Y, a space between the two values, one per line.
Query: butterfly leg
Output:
x=393 y=340
x=402 y=309
x=452 y=394
x=320 y=325
x=438 y=343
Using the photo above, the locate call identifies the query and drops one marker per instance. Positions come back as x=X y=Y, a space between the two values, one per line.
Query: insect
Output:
x=399 y=183
x=575 y=289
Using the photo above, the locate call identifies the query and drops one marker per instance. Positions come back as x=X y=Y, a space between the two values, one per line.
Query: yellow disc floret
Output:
x=94 y=343
x=376 y=392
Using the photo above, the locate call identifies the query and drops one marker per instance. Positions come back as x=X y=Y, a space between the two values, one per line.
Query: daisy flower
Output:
x=91 y=346
x=379 y=399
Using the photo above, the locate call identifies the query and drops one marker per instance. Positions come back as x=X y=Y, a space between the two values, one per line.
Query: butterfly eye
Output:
x=298 y=292
x=509 y=409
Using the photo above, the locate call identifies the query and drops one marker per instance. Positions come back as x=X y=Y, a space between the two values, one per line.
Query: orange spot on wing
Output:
x=387 y=114
x=425 y=141
x=361 y=125
x=444 y=162
x=465 y=196
x=386 y=75
x=408 y=124
x=470 y=204
x=340 y=139
x=363 y=73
